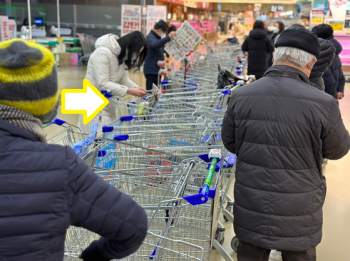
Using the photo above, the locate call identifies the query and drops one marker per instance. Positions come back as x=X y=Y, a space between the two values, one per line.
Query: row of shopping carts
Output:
x=166 y=152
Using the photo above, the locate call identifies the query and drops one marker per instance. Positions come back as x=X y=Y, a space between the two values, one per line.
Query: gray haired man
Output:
x=281 y=127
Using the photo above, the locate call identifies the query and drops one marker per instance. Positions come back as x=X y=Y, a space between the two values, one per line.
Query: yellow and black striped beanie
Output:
x=28 y=79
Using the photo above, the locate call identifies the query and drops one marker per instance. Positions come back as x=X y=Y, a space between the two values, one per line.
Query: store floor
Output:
x=336 y=229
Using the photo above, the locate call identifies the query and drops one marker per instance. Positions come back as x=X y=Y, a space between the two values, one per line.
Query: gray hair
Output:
x=293 y=55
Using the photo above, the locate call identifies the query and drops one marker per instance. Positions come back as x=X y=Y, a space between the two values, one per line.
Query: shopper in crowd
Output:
x=279 y=27
x=156 y=42
x=272 y=34
x=108 y=69
x=271 y=31
x=280 y=127
x=45 y=188
x=258 y=45
x=324 y=61
x=240 y=30
x=334 y=80
x=296 y=25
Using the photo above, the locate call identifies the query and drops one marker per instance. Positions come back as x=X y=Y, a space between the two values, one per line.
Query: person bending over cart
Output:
x=108 y=68
x=45 y=188
x=280 y=127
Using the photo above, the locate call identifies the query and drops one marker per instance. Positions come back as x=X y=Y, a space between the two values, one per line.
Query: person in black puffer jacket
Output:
x=272 y=34
x=334 y=79
x=45 y=188
x=280 y=128
x=323 y=62
x=258 y=45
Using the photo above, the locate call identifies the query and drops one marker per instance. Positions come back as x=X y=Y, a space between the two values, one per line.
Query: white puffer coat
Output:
x=105 y=73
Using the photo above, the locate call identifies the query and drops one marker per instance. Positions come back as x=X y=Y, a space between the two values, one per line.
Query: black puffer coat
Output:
x=272 y=37
x=322 y=64
x=45 y=188
x=258 y=45
x=280 y=127
x=334 y=80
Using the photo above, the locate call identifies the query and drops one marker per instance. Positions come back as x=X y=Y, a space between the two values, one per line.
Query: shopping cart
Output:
x=158 y=188
x=67 y=135
x=88 y=46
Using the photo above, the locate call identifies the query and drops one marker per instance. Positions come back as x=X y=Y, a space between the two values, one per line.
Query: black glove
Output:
x=91 y=253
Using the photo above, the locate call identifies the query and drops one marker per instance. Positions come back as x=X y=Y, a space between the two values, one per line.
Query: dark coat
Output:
x=272 y=37
x=333 y=78
x=258 y=45
x=322 y=64
x=280 y=128
x=46 y=188
x=155 y=52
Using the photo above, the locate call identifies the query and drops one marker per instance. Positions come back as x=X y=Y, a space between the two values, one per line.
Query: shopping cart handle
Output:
x=107 y=129
x=202 y=197
x=205 y=192
x=126 y=118
x=55 y=121
x=225 y=92
x=102 y=153
x=121 y=137
x=106 y=94
x=59 y=121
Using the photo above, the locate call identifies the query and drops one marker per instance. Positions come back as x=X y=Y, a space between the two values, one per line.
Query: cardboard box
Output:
x=64 y=59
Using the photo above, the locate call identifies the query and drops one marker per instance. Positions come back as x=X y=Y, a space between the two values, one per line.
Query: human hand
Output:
x=92 y=253
x=340 y=95
x=138 y=92
x=172 y=35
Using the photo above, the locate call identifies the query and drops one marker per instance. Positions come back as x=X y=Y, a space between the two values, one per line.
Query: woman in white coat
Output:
x=107 y=69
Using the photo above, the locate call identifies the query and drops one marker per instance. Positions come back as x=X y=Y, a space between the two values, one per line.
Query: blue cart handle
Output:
x=56 y=121
x=106 y=94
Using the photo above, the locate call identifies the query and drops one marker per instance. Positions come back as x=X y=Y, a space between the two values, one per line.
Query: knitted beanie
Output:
x=300 y=38
x=28 y=79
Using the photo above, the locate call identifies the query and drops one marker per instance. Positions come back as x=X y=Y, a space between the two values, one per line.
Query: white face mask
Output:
x=270 y=28
x=162 y=35
x=275 y=30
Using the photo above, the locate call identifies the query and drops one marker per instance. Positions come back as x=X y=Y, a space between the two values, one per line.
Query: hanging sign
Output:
x=4 y=28
x=317 y=12
x=131 y=19
x=336 y=25
x=186 y=40
x=154 y=14
x=317 y=20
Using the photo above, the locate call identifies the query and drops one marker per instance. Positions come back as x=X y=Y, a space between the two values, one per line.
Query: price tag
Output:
x=60 y=39
x=31 y=40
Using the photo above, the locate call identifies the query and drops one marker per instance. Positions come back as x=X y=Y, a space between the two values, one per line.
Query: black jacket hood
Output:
x=336 y=45
x=258 y=33
x=323 y=62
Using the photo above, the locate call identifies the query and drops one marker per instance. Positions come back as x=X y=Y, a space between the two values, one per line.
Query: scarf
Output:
x=23 y=120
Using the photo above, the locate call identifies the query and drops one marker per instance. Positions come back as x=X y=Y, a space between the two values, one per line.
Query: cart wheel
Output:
x=234 y=244
x=229 y=208
x=220 y=235
x=222 y=241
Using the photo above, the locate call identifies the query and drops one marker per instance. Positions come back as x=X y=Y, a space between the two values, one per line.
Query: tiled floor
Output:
x=336 y=230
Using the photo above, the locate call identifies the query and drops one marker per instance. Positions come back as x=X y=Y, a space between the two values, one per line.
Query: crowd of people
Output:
x=281 y=127
x=260 y=45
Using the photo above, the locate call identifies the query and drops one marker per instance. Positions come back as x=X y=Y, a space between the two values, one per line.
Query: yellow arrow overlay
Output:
x=88 y=101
